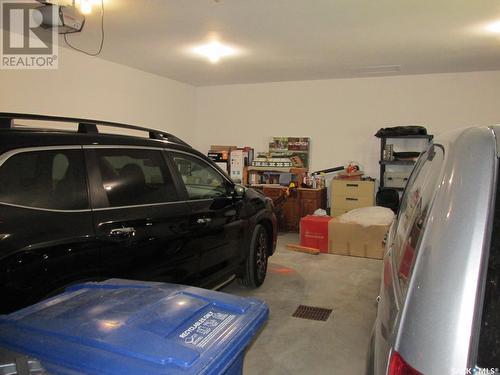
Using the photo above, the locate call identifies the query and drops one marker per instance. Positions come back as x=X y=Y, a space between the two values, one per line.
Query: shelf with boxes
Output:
x=275 y=175
x=396 y=166
x=281 y=173
x=233 y=160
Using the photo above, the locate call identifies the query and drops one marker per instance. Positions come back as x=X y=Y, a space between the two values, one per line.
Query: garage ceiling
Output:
x=285 y=40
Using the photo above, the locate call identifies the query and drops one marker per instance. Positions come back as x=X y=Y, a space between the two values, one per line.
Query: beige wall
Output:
x=90 y=87
x=341 y=116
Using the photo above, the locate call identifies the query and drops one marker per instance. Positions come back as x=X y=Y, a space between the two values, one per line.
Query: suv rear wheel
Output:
x=256 y=263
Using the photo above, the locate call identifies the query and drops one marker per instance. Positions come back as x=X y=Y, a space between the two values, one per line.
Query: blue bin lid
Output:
x=129 y=327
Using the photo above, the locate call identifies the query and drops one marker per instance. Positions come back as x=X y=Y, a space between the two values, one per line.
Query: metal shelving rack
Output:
x=384 y=163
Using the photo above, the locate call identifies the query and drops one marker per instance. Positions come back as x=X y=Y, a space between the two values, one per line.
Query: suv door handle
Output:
x=123 y=233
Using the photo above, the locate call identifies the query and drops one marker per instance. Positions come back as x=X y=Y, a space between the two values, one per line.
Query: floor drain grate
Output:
x=312 y=313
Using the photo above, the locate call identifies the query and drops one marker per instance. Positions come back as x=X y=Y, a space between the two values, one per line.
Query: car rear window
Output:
x=45 y=179
x=489 y=338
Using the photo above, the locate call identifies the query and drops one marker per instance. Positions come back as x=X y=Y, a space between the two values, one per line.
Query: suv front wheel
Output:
x=256 y=263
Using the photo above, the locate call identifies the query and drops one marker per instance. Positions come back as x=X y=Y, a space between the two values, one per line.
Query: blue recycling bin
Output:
x=130 y=327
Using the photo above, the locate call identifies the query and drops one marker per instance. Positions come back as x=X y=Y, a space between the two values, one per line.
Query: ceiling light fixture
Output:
x=85 y=6
x=493 y=27
x=214 y=51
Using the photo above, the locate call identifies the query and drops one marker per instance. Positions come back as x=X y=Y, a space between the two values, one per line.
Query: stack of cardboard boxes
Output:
x=329 y=235
x=356 y=240
x=232 y=160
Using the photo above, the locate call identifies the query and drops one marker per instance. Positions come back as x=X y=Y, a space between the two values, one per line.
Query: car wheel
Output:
x=256 y=263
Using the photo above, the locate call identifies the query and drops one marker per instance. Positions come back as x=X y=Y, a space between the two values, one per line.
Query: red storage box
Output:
x=314 y=232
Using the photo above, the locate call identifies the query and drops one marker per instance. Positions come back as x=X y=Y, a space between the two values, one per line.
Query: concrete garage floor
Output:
x=289 y=345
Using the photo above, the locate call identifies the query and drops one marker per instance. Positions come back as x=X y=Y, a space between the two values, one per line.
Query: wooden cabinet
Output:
x=347 y=195
x=300 y=203
x=311 y=200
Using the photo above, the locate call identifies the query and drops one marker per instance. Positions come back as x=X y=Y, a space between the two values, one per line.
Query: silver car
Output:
x=439 y=304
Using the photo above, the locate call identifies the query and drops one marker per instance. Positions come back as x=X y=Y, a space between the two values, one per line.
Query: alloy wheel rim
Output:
x=261 y=258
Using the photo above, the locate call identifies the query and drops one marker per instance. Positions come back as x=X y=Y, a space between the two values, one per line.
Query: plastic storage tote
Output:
x=130 y=327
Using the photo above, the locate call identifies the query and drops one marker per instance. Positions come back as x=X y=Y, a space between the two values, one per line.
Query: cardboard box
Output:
x=338 y=212
x=356 y=240
x=236 y=166
x=218 y=156
x=216 y=148
x=314 y=232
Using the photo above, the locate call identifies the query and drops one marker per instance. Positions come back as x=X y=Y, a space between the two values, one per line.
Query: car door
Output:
x=46 y=231
x=215 y=224
x=139 y=219
x=404 y=240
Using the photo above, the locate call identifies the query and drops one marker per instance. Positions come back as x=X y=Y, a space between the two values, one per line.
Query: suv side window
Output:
x=135 y=177
x=201 y=180
x=54 y=179
x=413 y=212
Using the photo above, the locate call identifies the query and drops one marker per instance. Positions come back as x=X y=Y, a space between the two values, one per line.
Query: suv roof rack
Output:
x=85 y=126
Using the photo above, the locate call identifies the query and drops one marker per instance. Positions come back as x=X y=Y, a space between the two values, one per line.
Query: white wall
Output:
x=90 y=87
x=341 y=116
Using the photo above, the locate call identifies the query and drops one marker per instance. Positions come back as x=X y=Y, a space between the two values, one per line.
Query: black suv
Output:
x=78 y=206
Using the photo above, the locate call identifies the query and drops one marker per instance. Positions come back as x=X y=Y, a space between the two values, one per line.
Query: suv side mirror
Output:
x=239 y=192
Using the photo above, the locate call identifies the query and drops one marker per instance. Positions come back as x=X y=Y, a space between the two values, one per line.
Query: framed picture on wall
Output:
x=296 y=149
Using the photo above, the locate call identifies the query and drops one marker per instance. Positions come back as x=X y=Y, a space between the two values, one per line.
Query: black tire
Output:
x=256 y=264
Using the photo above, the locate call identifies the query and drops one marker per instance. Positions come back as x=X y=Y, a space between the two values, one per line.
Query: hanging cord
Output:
x=102 y=37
